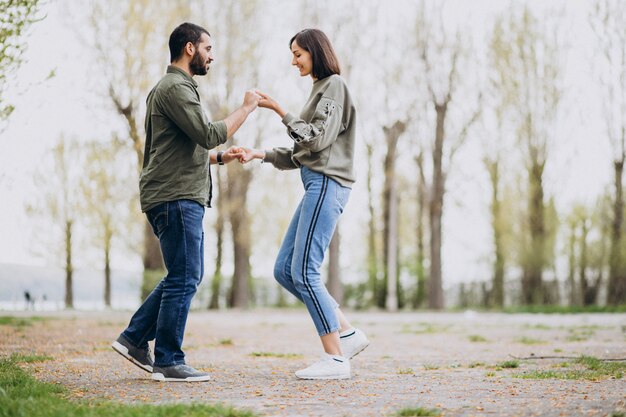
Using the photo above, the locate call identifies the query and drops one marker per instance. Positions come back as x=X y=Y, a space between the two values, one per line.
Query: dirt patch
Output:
x=434 y=360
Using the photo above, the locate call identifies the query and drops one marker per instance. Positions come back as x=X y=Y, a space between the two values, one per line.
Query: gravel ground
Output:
x=433 y=360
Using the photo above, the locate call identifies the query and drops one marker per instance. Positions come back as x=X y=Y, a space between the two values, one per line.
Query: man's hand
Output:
x=251 y=100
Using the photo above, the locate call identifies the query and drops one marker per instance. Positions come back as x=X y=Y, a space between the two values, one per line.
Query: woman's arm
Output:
x=324 y=126
x=279 y=157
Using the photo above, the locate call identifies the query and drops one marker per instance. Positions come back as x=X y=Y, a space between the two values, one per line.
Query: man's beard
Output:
x=198 y=65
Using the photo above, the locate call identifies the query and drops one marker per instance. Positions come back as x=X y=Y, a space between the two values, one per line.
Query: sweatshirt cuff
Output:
x=222 y=131
x=270 y=156
x=288 y=119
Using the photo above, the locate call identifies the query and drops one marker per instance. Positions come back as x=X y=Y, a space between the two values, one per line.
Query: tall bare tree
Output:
x=58 y=204
x=230 y=76
x=527 y=59
x=220 y=223
x=422 y=198
x=608 y=20
x=372 y=231
x=105 y=191
x=390 y=214
x=440 y=53
x=587 y=255
x=495 y=172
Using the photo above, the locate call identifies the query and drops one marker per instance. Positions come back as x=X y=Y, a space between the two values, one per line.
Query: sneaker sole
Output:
x=360 y=349
x=160 y=377
x=122 y=350
x=325 y=377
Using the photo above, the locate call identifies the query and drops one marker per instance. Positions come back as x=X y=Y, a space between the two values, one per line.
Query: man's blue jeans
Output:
x=301 y=255
x=163 y=315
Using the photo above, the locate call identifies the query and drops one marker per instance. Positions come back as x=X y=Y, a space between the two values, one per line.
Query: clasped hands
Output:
x=241 y=154
x=252 y=98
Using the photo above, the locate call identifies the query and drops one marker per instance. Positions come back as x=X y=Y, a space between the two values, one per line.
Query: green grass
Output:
x=23 y=395
x=20 y=321
x=226 y=342
x=476 y=364
x=537 y=327
x=585 y=368
x=406 y=371
x=477 y=338
x=276 y=355
x=580 y=334
x=508 y=364
x=419 y=412
x=530 y=341
x=20 y=358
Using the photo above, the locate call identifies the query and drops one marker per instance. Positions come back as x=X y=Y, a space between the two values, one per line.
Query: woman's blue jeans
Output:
x=301 y=254
x=163 y=315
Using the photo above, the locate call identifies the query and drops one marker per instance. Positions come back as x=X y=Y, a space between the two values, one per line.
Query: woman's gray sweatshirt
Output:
x=323 y=135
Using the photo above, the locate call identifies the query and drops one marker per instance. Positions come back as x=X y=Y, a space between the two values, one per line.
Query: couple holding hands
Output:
x=175 y=187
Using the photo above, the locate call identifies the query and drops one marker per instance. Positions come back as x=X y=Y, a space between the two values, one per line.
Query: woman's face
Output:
x=302 y=59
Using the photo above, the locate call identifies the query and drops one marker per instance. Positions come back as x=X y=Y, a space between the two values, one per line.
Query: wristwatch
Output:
x=219 y=158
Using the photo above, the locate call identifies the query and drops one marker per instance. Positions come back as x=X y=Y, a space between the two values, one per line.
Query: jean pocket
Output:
x=343 y=193
x=158 y=218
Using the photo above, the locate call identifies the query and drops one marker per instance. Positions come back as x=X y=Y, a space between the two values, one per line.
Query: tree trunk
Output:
x=435 y=293
x=153 y=268
x=372 y=255
x=497 y=298
x=617 y=277
x=69 y=267
x=571 y=273
x=216 y=281
x=583 y=264
x=390 y=202
x=420 y=290
x=107 y=271
x=334 y=268
x=238 y=184
x=532 y=282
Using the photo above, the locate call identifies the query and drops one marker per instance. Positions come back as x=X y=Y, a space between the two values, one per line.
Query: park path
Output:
x=432 y=360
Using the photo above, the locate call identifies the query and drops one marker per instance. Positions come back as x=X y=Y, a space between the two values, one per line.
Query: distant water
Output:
x=47 y=288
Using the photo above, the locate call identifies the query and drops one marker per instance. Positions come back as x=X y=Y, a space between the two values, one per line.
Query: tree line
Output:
x=427 y=86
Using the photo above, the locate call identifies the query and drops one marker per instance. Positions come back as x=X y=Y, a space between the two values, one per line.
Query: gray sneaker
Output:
x=179 y=373
x=140 y=357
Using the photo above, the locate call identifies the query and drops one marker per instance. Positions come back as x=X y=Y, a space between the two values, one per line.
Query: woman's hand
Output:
x=269 y=103
x=248 y=155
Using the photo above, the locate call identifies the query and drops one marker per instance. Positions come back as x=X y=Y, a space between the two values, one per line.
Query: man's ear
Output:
x=190 y=49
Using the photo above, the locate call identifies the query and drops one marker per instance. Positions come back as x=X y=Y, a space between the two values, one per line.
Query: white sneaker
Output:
x=353 y=343
x=328 y=367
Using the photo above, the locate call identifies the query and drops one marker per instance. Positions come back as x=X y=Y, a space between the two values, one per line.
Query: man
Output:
x=175 y=185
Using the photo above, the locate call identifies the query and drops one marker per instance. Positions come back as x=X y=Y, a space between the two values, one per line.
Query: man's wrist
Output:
x=218 y=157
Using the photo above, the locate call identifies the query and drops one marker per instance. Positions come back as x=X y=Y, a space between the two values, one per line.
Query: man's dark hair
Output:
x=184 y=33
x=315 y=42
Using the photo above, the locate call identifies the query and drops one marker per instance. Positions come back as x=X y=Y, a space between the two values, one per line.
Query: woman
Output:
x=323 y=150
